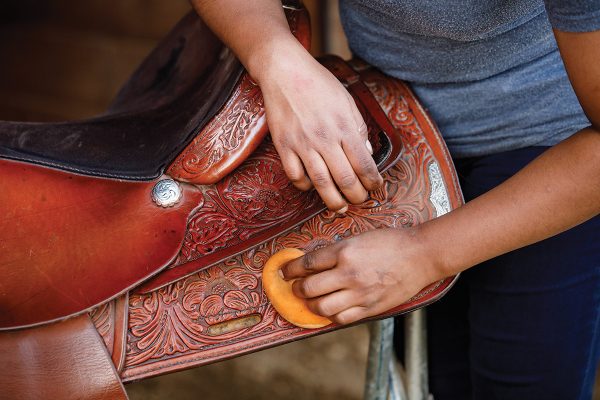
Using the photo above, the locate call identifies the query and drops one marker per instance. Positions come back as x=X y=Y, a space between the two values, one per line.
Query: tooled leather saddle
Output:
x=132 y=244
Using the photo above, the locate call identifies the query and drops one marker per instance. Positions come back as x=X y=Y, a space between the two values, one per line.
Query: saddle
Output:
x=132 y=244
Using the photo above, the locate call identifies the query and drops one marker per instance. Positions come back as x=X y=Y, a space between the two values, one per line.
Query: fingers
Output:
x=341 y=307
x=332 y=304
x=350 y=315
x=362 y=163
x=359 y=152
x=333 y=156
x=317 y=285
x=323 y=183
x=345 y=178
x=294 y=170
x=315 y=261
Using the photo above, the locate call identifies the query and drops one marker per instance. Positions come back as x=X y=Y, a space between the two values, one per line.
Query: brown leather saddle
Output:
x=132 y=244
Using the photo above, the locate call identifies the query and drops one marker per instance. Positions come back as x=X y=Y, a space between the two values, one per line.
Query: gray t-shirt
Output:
x=489 y=71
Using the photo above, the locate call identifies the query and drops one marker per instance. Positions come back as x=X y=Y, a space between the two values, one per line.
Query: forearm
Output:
x=314 y=123
x=580 y=53
x=558 y=190
x=256 y=31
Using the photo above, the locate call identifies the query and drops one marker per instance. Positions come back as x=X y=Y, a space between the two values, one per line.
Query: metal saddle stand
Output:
x=387 y=378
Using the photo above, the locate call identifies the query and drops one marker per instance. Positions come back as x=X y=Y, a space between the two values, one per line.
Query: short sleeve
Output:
x=574 y=15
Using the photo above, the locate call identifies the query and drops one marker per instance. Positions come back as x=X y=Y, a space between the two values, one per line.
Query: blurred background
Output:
x=66 y=59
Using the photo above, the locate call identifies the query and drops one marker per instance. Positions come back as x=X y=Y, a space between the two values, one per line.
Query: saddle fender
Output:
x=70 y=242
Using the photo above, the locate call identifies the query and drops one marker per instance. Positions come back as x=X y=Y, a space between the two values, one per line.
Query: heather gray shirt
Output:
x=489 y=71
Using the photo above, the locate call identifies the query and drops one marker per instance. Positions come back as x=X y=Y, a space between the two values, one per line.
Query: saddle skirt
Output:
x=156 y=264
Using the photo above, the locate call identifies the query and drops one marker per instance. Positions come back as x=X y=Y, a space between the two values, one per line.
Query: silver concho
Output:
x=166 y=193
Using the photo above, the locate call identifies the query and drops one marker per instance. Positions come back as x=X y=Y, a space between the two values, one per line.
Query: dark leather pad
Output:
x=172 y=95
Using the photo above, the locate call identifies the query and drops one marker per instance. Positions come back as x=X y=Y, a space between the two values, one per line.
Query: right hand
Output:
x=317 y=129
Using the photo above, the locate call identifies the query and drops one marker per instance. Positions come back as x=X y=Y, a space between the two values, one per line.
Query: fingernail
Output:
x=369 y=147
x=341 y=211
x=280 y=272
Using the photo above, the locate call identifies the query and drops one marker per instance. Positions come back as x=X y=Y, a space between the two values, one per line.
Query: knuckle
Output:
x=321 y=179
x=309 y=262
x=341 y=122
x=282 y=143
x=320 y=133
x=370 y=301
x=347 y=180
x=320 y=307
x=305 y=288
x=302 y=184
x=363 y=129
x=337 y=205
x=366 y=165
x=352 y=277
x=343 y=319
x=370 y=174
x=345 y=256
x=295 y=175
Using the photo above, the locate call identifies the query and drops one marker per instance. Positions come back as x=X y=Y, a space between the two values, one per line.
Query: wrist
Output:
x=279 y=57
x=438 y=262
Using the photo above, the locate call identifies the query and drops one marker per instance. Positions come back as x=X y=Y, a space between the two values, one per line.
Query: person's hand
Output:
x=317 y=130
x=365 y=275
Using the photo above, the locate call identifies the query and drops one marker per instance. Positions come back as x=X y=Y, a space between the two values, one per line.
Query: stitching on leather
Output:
x=80 y=171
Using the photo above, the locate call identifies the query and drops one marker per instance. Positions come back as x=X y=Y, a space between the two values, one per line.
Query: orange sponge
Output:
x=279 y=292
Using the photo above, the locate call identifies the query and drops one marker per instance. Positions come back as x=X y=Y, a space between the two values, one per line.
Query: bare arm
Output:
x=314 y=123
x=555 y=192
x=254 y=30
x=581 y=55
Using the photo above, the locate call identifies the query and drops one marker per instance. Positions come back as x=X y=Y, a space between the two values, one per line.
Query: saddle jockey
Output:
x=514 y=87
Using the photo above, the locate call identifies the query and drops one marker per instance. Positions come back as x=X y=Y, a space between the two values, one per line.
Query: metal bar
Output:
x=397 y=390
x=381 y=350
x=415 y=348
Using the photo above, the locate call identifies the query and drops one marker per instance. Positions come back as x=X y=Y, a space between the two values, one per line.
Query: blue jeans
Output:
x=525 y=325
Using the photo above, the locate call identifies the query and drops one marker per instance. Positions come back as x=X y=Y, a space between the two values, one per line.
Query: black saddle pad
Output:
x=173 y=94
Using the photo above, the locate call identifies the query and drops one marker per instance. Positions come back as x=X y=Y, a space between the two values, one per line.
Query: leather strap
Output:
x=355 y=85
x=65 y=360
x=120 y=332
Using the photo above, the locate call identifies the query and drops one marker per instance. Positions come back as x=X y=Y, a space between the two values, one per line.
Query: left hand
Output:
x=365 y=275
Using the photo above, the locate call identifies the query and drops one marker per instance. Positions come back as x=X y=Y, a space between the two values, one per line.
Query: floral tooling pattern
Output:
x=256 y=197
x=236 y=130
x=171 y=326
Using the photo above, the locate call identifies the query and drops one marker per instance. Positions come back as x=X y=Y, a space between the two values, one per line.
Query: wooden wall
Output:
x=66 y=59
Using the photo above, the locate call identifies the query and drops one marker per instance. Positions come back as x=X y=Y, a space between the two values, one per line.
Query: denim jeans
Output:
x=524 y=325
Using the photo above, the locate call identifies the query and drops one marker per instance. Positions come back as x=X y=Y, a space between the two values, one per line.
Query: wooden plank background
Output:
x=66 y=59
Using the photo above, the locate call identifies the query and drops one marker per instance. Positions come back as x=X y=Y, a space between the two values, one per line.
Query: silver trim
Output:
x=291 y=7
x=439 y=195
